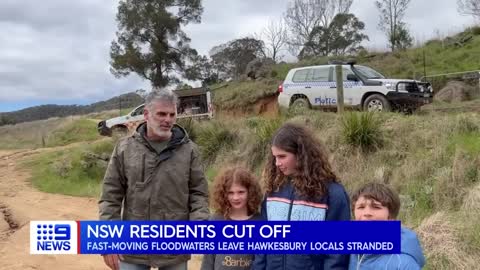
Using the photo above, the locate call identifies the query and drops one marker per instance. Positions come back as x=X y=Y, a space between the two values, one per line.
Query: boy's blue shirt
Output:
x=411 y=257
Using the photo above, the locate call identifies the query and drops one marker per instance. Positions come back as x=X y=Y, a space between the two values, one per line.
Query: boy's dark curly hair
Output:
x=222 y=184
x=314 y=171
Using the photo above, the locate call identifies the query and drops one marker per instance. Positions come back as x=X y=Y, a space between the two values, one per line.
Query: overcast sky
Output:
x=57 y=51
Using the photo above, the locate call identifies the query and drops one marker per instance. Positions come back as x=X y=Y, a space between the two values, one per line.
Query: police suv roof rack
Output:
x=336 y=62
x=350 y=62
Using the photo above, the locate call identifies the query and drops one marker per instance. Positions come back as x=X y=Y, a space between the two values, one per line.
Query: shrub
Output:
x=213 y=137
x=475 y=30
x=189 y=124
x=262 y=130
x=362 y=130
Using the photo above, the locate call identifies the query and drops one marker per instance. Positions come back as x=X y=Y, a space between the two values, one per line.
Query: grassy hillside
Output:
x=48 y=133
x=75 y=171
x=242 y=95
x=442 y=56
x=432 y=159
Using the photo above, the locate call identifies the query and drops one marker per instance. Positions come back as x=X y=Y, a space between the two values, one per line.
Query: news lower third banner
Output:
x=214 y=237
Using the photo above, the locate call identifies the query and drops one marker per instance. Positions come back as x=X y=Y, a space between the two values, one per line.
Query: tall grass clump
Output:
x=444 y=248
x=262 y=131
x=212 y=137
x=465 y=125
x=190 y=125
x=362 y=130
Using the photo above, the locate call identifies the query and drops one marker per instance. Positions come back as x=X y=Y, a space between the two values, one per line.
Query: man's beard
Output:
x=157 y=131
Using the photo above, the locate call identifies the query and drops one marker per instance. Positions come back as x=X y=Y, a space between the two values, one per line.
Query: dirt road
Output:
x=20 y=203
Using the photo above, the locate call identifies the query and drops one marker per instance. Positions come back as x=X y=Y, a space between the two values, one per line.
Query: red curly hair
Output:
x=222 y=184
x=314 y=171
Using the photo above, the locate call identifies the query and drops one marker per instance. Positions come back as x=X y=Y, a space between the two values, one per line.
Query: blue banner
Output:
x=234 y=237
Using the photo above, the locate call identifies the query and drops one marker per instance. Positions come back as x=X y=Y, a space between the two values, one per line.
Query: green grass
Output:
x=190 y=125
x=213 y=137
x=430 y=159
x=75 y=131
x=362 y=130
x=422 y=202
x=471 y=233
x=469 y=142
x=439 y=58
x=71 y=171
x=211 y=173
x=28 y=134
x=262 y=131
x=241 y=95
x=125 y=111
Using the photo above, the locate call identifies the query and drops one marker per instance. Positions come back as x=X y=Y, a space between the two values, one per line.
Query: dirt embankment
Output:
x=266 y=107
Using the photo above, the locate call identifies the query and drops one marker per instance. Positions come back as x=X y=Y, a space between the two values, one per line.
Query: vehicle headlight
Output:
x=389 y=86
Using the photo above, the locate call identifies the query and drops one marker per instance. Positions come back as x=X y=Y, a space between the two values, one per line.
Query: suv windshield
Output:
x=369 y=73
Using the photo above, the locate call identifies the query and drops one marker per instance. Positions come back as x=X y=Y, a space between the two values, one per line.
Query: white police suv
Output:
x=364 y=88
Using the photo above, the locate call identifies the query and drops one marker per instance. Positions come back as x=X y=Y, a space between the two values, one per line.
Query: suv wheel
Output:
x=300 y=104
x=376 y=103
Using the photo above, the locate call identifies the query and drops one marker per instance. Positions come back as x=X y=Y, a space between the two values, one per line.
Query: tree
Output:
x=183 y=86
x=302 y=16
x=343 y=35
x=391 y=16
x=150 y=41
x=346 y=34
x=5 y=120
x=232 y=57
x=274 y=36
x=469 y=7
x=204 y=70
x=403 y=40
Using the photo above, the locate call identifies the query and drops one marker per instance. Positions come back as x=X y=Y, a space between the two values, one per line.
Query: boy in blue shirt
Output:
x=376 y=201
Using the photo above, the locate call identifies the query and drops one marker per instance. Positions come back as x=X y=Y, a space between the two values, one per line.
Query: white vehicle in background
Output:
x=364 y=88
x=193 y=103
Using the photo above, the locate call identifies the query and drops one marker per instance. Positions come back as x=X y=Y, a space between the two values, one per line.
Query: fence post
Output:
x=339 y=73
x=479 y=84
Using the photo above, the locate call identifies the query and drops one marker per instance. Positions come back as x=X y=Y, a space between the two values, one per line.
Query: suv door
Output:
x=321 y=83
x=352 y=93
x=137 y=115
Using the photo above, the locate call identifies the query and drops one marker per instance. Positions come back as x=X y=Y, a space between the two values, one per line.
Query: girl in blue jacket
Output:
x=301 y=186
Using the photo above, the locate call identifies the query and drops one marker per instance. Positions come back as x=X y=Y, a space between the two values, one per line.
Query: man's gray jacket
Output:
x=151 y=186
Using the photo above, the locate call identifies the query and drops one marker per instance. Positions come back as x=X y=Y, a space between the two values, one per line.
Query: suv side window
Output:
x=301 y=75
x=346 y=72
x=138 y=111
x=321 y=74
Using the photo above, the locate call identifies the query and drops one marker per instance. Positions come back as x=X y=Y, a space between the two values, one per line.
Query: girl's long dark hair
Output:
x=314 y=171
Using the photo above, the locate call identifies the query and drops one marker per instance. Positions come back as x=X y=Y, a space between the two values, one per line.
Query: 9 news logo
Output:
x=53 y=237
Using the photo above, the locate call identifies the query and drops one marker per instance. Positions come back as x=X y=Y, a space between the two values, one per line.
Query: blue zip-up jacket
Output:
x=286 y=204
x=411 y=257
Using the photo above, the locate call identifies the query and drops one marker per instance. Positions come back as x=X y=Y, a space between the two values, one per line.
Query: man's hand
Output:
x=112 y=261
